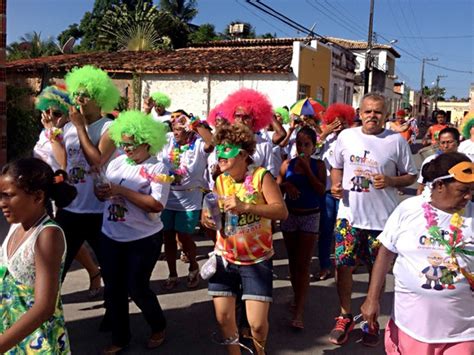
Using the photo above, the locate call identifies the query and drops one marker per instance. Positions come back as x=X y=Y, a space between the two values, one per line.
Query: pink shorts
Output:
x=399 y=343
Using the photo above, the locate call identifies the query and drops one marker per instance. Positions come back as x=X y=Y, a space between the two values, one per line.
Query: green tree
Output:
x=205 y=33
x=176 y=20
x=248 y=31
x=434 y=91
x=184 y=10
x=72 y=31
x=31 y=45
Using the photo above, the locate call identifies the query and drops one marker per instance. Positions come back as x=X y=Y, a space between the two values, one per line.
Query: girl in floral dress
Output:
x=32 y=258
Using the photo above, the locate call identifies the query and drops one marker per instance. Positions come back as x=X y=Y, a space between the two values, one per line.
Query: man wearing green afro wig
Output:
x=156 y=105
x=88 y=148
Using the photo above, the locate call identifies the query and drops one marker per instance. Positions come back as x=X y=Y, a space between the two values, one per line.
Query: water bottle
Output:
x=211 y=206
x=231 y=221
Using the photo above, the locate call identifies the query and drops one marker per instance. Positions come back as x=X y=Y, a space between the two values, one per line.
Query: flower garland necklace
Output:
x=247 y=185
x=455 y=244
x=178 y=167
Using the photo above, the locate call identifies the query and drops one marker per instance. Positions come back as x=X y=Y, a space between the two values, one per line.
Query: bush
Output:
x=23 y=124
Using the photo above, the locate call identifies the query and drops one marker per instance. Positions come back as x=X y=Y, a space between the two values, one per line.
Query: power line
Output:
x=435 y=37
x=398 y=25
x=408 y=26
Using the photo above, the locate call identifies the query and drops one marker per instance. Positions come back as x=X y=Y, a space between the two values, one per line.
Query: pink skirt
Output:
x=399 y=343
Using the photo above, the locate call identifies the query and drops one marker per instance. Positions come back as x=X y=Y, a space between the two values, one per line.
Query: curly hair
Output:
x=285 y=115
x=253 y=102
x=342 y=111
x=53 y=97
x=161 y=99
x=142 y=127
x=467 y=126
x=237 y=134
x=97 y=84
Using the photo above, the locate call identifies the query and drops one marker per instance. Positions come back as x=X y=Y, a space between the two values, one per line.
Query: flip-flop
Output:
x=156 y=339
x=170 y=283
x=193 y=278
x=297 y=324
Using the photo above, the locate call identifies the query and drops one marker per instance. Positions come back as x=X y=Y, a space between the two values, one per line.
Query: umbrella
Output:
x=302 y=107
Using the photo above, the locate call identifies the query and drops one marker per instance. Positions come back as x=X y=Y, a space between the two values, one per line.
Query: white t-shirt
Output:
x=429 y=315
x=166 y=116
x=327 y=156
x=123 y=221
x=42 y=150
x=187 y=194
x=78 y=168
x=276 y=151
x=263 y=155
x=426 y=161
x=467 y=147
x=361 y=156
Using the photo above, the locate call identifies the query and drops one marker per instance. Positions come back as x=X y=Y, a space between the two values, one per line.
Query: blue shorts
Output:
x=180 y=221
x=253 y=282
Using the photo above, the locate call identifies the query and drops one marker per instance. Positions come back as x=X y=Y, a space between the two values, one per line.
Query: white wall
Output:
x=197 y=93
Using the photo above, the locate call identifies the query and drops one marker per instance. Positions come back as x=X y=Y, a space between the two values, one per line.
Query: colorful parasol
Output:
x=308 y=107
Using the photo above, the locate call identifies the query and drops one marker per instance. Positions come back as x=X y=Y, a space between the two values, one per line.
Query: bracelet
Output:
x=54 y=134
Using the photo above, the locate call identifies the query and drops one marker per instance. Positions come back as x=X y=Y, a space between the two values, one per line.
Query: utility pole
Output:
x=437 y=90
x=368 y=56
x=422 y=84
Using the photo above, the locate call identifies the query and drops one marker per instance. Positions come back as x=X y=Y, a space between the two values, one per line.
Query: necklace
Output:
x=178 y=166
x=14 y=244
x=249 y=194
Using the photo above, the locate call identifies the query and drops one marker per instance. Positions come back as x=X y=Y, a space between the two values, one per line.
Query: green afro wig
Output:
x=161 y=99
x=284 y=114
x=142 y=127
x=53 y=97
x=467 y=125
x=96 y=83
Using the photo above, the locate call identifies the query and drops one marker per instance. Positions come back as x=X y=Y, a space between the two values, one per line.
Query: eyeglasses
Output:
x=57 y=114
x=242 y=116
x=129 y=145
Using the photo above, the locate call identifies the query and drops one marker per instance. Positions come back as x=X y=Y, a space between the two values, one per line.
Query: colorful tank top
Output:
x=252 y=242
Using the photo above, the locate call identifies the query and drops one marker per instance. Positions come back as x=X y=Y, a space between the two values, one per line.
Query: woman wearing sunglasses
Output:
x=431 y=236
x=135 y=190
x=244 y=265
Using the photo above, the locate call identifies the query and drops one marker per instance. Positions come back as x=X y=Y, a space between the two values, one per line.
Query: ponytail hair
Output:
x=33 y=175
x=440 y=166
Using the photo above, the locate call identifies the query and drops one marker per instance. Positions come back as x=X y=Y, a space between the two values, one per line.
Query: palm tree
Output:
x=134 y=28
x=184 y=10
x=31 y=45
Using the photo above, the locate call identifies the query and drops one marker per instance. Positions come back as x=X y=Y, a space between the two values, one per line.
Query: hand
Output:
x=76 y=117
x=333 y=126
x=46 y=120
x=148 y=105
x=337 y=191
x=102 y=192
x=370 y=311
x=233 y=204
x=291 y=190
x=381 y=181
x=304 y=162
x=206 y=219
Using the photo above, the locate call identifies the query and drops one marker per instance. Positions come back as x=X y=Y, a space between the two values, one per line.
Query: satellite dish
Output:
x=67 y=47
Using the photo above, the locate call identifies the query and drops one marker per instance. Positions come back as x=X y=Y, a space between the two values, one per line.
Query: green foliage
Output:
x=434 y=91
x=205 y=33
x=31 y=45
x=123 y=104
x=72 y=31
x=22 y=124
x=183 y=10
x=249 y=31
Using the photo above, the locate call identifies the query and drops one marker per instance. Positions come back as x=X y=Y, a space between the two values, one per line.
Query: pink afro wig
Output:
x=215 y=113
x=343 y=111
x=253 y=102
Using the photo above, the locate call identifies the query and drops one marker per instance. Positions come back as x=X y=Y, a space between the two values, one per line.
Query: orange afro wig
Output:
x=256 y=104
x=343 y=111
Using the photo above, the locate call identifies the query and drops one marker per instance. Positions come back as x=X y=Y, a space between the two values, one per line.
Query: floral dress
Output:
x=17 y=281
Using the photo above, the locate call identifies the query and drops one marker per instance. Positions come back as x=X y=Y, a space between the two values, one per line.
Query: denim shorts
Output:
x=253 y=282
x=180 y=221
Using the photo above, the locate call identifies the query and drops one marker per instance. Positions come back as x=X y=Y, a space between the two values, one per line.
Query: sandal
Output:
x=113 y=349
x=324 y=275
x=170 y=283
x=156 y=339
x=193 y=278
x=297 y=324
x=94 y=291
x=184 y=258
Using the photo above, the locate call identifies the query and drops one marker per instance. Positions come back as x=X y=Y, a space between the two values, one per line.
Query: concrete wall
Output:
x=315 y=69
x=198 y=93
x=456 y=110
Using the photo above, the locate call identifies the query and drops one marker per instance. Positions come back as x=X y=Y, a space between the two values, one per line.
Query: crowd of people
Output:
x=110 y=192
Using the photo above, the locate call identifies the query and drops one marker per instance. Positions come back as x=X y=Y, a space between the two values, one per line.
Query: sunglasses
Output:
x=129 y=145
x=242 y=116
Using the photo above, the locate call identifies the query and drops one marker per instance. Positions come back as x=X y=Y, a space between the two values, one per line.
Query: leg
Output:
x=170 y=251
x=189 y=248
x=114 y=270
x=290 y=239
x=344 y=287
x=305 y=247
x=258 y=319
x=326 y=233
x=225 y=315
x=85 y=259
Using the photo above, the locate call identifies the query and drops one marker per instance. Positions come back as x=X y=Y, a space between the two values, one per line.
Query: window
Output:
x=320 y=93
x=304 y=91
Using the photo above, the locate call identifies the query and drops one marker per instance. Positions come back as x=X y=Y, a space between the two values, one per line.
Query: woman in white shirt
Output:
x=432 y=238
x=135 y=190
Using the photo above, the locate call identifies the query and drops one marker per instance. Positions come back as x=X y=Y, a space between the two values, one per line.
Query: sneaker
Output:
x=371 y=337
x=340 y=333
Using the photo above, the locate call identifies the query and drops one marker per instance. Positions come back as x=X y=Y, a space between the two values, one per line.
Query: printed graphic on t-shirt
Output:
x=78 y=170
x=117 y=209
x=363 y=172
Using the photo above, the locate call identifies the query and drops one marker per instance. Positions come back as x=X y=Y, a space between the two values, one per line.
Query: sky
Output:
x=442 y=29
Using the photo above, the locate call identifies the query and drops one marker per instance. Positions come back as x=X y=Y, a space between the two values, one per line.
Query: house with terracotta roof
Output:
x=383 y=75
x=198 y=78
